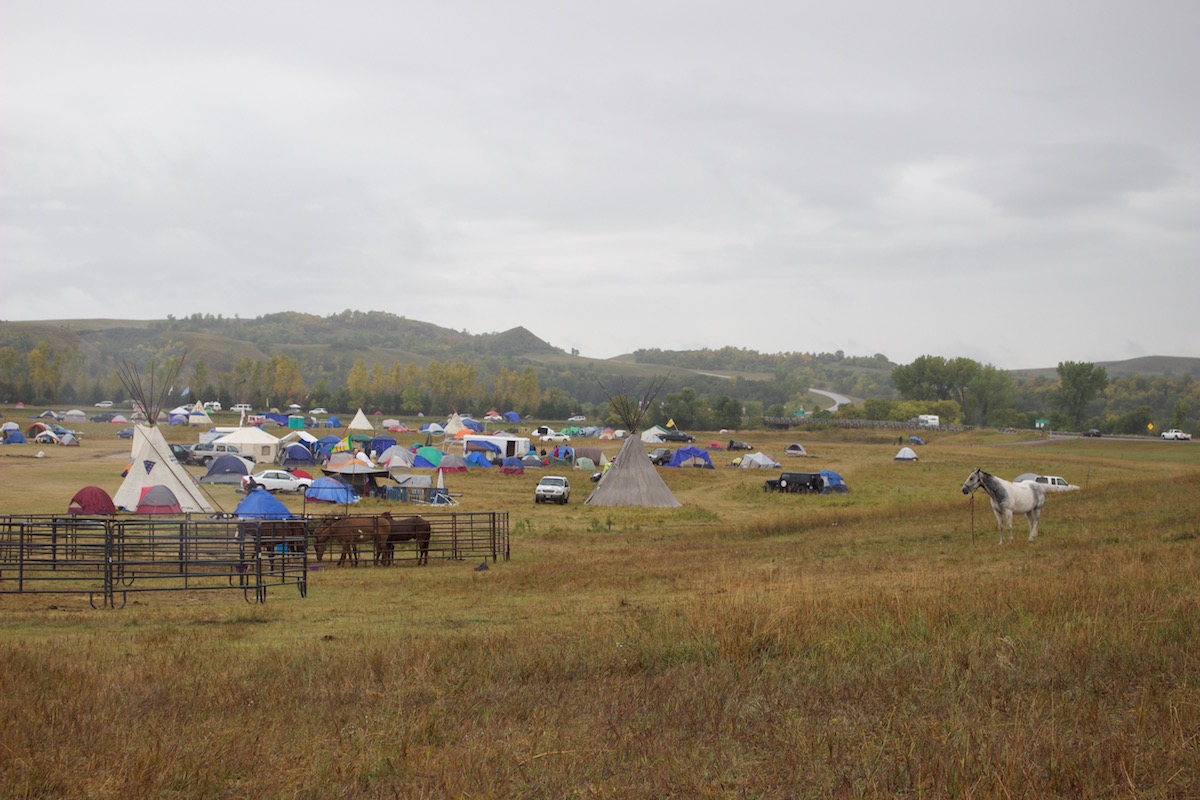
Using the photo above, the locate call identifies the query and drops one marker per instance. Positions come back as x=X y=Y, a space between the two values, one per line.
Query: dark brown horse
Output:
x=403 y=530
x=349 y=532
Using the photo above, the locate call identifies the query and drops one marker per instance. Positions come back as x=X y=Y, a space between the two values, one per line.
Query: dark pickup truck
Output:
x=676 y=436
x=794 y=482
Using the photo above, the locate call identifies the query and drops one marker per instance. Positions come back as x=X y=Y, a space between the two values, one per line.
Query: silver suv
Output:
x=552 y=489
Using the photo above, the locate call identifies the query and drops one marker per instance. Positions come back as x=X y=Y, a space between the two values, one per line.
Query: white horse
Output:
x=1023 y=497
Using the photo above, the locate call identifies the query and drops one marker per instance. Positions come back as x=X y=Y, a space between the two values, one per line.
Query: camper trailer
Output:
x=928 y=421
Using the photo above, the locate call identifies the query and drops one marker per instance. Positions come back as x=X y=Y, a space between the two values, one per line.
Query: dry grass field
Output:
x=744 y=645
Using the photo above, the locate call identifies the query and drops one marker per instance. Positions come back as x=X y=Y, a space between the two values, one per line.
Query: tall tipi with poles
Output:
x=632 y=480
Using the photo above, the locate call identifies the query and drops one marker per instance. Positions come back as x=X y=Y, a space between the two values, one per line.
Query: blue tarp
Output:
x=325 y=444
x=333 y=422
x=15 y=437
x=473 y=425
x=330 y=490
x=261 y=504
x=380 y=444
x=282 y=419
x=512 y=416
x=688 y=456
x=482 y=447
x=477 y=460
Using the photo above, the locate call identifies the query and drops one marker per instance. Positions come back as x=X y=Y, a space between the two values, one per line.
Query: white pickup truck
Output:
x=1177 y=435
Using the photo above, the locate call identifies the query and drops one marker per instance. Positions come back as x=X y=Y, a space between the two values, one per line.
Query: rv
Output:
x=928 y=421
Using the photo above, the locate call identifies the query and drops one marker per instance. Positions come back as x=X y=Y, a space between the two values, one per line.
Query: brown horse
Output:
x=349 y=532
x=403 y=530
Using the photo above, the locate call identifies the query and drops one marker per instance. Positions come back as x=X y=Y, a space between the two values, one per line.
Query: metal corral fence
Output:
x=111 y=557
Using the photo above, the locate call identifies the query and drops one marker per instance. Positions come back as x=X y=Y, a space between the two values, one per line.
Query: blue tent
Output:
x=296 y=455
x=261 y=504
x=512 y=416
x=472 y=424
x=380 y=444
x=333 y=422
x=512 y=466
x=832 y=483
x=477 y=460
x=330 y=490
x=690 y=457
x=15 y=437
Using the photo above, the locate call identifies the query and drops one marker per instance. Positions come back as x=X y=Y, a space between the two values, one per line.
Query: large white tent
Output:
x=254 y=443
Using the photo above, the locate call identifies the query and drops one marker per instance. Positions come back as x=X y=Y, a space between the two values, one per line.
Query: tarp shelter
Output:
x=795 y=449
x=360 y=423
x=151 y=463
x=330 y=490
x=158 y=499
x=362 y=477
x=226 y=469
x=512 y=416
x=832 y=483
x=325 y=445
x=254 y=443
x=906 y=454
x=14 y=437
x=512 y=466
x=632 y=481
x=296 y=455
x=758 y=461
x=473 y=425
x=690 y=457
x=380 y=444
x=261 y=504
x=333 y=422
x=91 y=500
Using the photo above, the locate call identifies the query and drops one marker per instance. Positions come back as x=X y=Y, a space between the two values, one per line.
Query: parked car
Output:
x=1092 y=432
x=660 y=456
x=275 y=480
x=802 y=482
x=577 y=418
x=212 y=405
x=736 y=445
x=1176 y=435
x=206 y=451
x=105 y=417
x=180 y=451
x=242 y=407
x=104 y=404
x=318 y=410
x=552 y=489
x=125 y=433
x=1051 y=483
x=677 y=436
x=555 y=437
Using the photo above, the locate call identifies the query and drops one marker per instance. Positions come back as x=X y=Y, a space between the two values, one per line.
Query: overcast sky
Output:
x=1015 y=184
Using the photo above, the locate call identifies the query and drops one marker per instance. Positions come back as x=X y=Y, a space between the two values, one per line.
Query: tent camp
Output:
x=690 y=457
x=906 y=454
x=512 y=466
x=795 y=449
x=758 y=461
x=632 y=481
x=158 y=499
x=475 y=460
x=151 y=463
x=91 y=500
x=226 y=469
x=427 y=457
x=261 y=504
x=452 y=462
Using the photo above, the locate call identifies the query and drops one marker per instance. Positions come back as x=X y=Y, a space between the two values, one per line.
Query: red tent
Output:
x=91 y=500
x=158 y=499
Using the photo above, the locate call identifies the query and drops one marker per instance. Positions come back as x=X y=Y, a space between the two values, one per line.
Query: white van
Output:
x=928 y=421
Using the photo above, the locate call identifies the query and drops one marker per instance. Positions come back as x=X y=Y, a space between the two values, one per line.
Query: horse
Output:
x=402 y=530
x=274 y=537
x=349 y=532
x=1024 y=497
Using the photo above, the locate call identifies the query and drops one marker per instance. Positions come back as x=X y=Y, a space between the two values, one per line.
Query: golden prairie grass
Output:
x=745 y=645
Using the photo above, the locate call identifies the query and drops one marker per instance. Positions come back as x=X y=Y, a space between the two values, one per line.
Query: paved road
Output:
x=838 y=399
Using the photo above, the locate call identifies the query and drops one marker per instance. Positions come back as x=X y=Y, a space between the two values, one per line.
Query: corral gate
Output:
x=114 y=556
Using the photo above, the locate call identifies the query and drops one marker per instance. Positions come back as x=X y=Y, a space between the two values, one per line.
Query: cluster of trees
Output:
x=959 y=390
